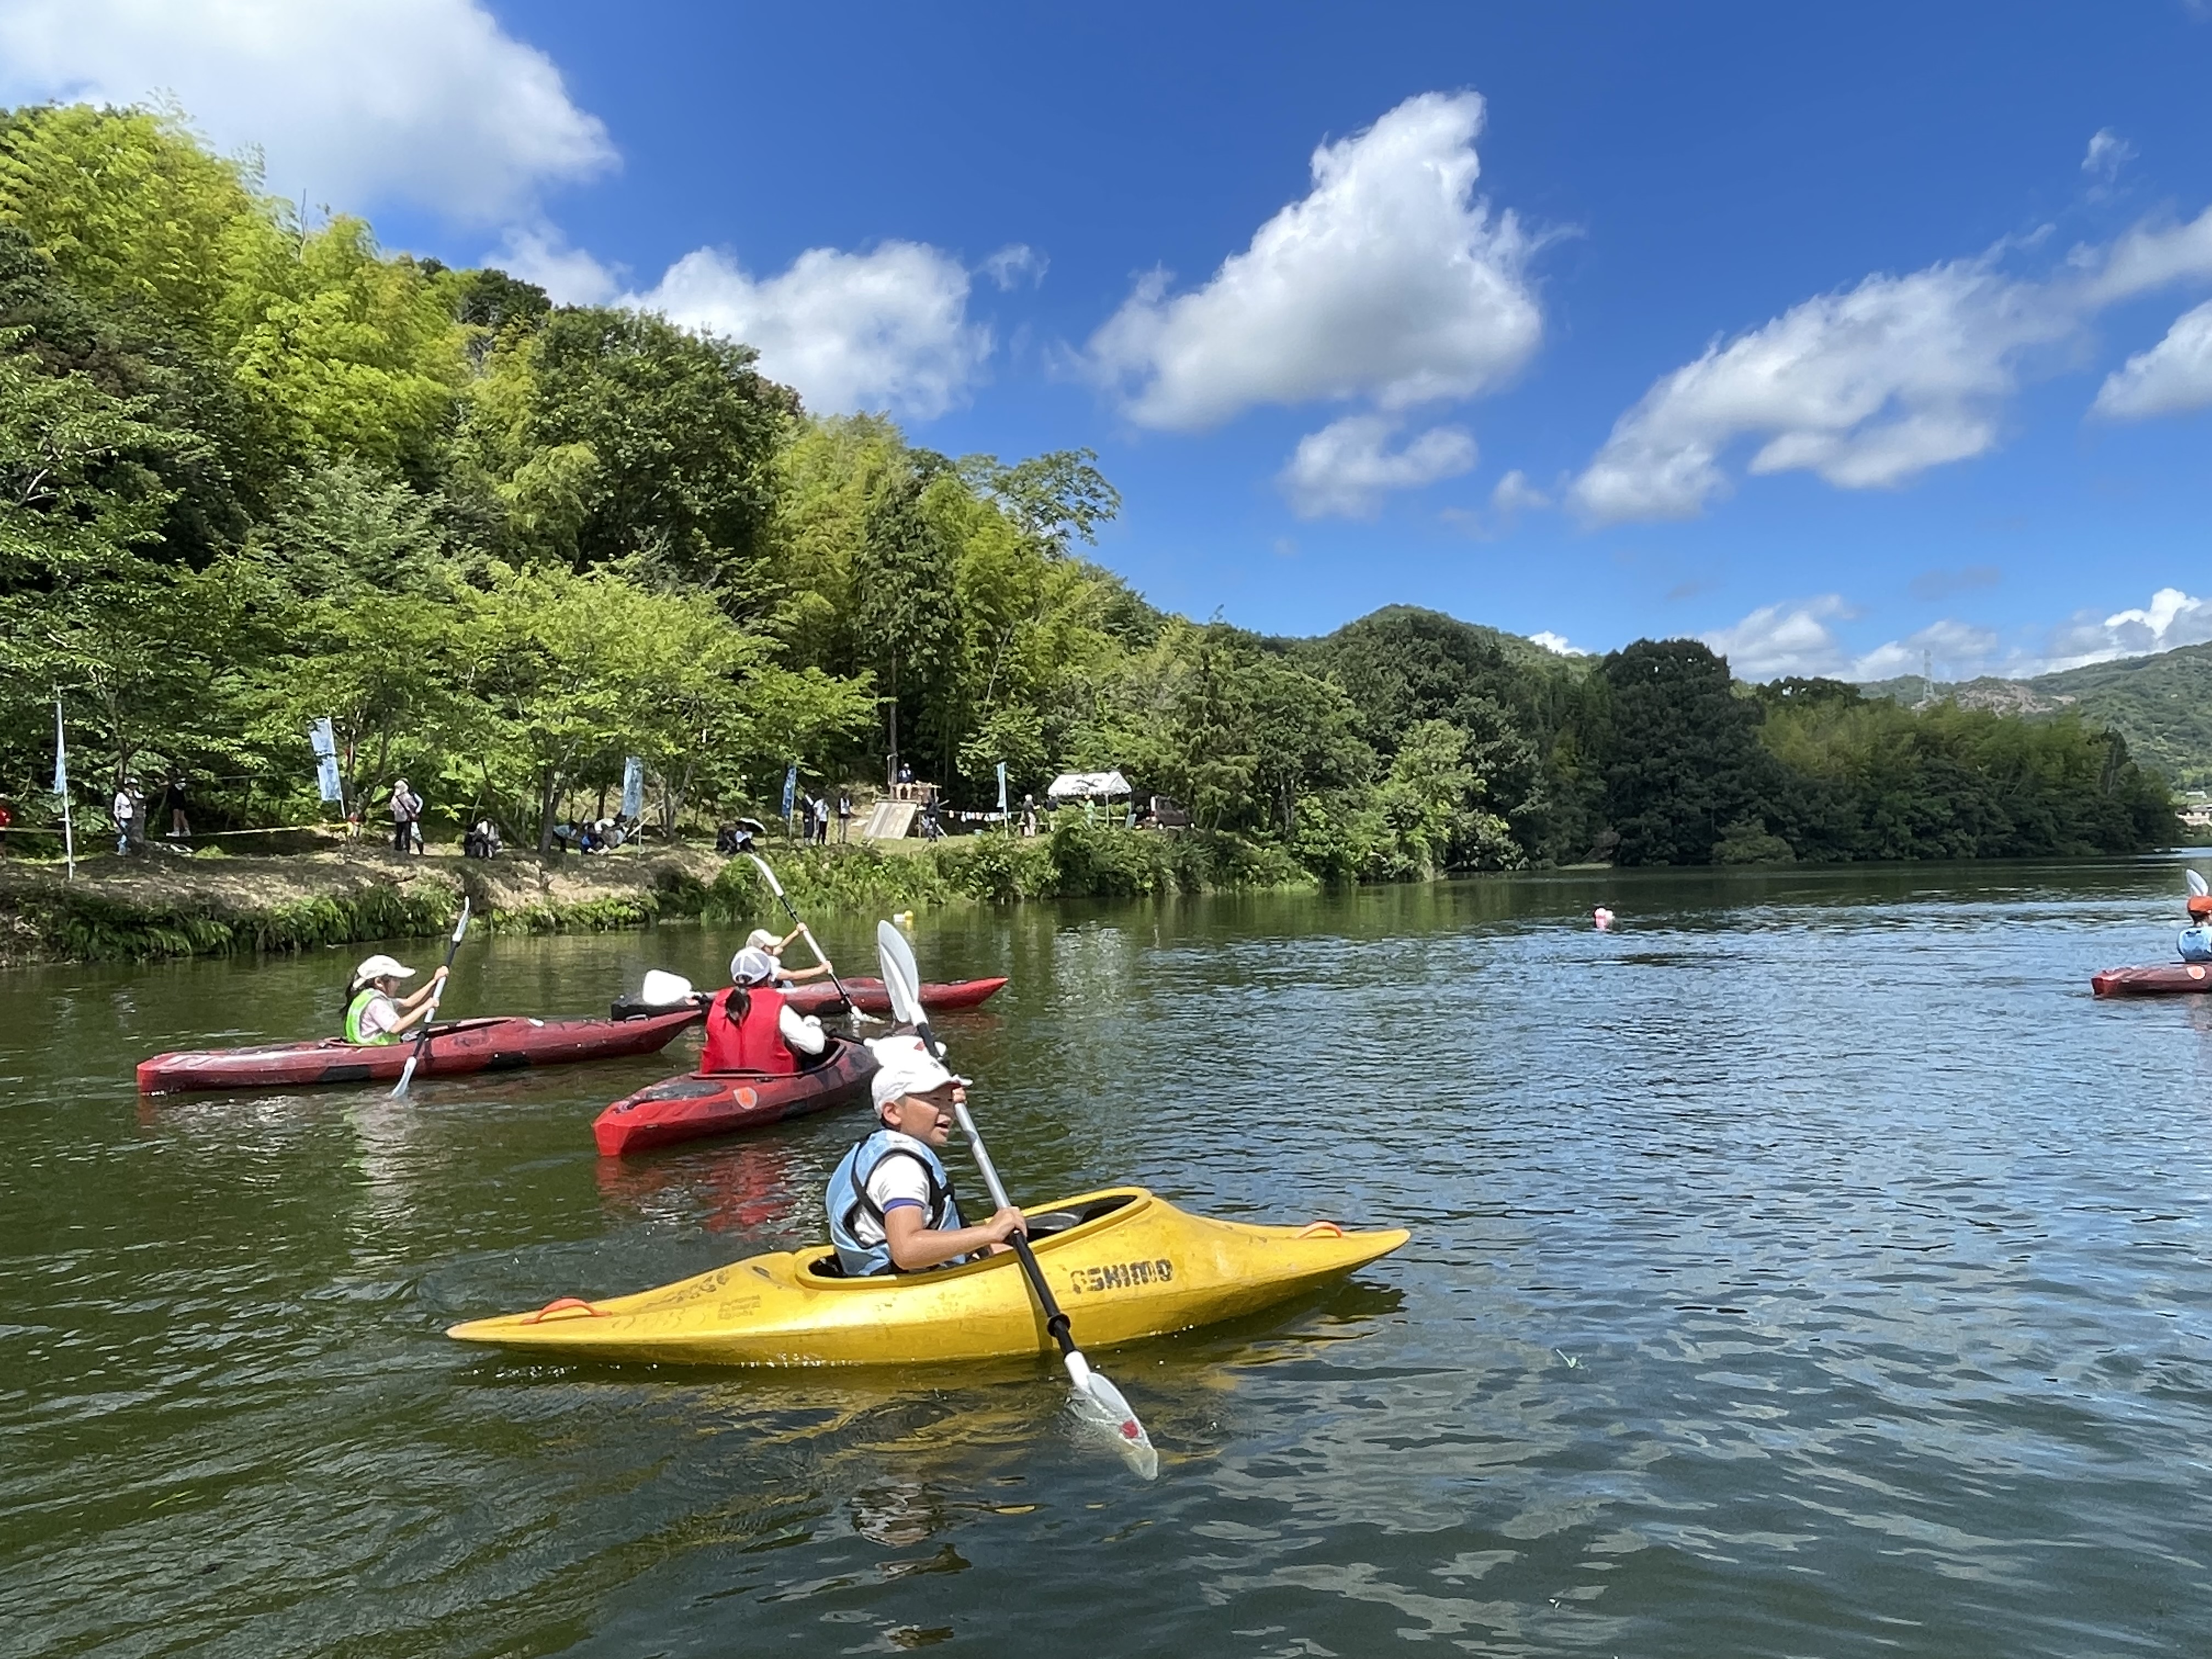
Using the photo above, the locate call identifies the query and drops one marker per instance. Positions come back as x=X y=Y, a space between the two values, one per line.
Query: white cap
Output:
x=905 y=1066
x=751 y=967
x=761 y=939
x=382 y=967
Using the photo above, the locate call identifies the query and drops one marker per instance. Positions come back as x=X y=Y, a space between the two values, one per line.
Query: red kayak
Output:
x=2163 y=979
x=500 y=1044
x=819 y=996
x=719 y=1103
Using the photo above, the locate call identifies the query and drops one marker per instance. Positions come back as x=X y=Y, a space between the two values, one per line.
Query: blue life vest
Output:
x=847 y=1200
x=2196 y=943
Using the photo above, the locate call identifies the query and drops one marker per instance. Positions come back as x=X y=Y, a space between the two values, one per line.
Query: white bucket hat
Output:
x=904 y=1066
x=382 y=967
x=761 y=939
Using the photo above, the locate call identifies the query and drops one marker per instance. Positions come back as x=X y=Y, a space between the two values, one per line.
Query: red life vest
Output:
x=751 y=1044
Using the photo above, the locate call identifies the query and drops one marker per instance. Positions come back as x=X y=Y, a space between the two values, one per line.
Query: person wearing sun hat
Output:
x=375 y=1012
x=761 y=939
x=890 y=1200
x=749 y=1027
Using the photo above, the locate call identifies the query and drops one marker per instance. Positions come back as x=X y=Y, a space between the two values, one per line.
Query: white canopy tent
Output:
x=1087 y=785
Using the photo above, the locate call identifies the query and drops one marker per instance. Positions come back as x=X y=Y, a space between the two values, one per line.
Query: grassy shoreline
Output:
x=161 y=905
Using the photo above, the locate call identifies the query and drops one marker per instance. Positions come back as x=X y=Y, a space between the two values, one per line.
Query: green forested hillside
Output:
x=255 y=472
x=2162 y=705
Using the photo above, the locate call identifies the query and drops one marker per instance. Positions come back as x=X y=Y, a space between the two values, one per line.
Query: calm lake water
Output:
x=1812 y=1267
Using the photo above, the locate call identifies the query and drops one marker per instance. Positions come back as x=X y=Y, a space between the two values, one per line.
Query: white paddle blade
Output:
x=767 y=874
x=902 y=976
x=1098 y=1404
x=2196 y=888
x=664 y=990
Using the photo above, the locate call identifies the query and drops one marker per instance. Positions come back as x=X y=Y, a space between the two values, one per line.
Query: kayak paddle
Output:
x=1096 y=1400
x=437 y=991
x=807 y=933
x=2196 y=888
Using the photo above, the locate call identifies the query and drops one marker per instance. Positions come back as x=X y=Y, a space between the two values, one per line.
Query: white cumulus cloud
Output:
x=1557 y=644
x=1871 y=386
x=887 y=328
x=1389 y=280
x=2172 y=378
x=1515 y=494
x=353 y=101
x=2172 y=618
x=1865 y=388
x=1785 y=639
x=1344 y=469
x=569 y=276
x=2107 y=153
x=1955 y=651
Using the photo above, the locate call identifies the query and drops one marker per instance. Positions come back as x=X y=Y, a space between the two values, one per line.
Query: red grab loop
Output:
x=564 y=1304
x=1320 y=1230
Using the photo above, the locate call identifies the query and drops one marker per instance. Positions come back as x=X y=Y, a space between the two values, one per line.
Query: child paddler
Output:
x=890 y=1200
x=375 y=1012
x=751 y=1028
x=761 y=939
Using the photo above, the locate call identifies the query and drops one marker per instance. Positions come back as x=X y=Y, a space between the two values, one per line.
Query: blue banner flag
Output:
x=790 y=789
x=61 y=753
x=632 y=788
x=326 y=779
x=325 y=740
x=1002 y=785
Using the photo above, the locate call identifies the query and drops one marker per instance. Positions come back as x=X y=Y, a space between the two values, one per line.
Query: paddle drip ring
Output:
x=1320 y=1230
x=564 y=1304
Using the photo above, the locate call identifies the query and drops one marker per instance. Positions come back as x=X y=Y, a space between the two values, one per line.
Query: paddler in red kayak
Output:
x=375 y=1012
x=761 y=939
x=749 y=1027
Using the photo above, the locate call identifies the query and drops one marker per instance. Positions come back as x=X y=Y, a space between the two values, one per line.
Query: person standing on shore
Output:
x=125 y=806
x=844 y=816
x=173 y=803
x=407 y=808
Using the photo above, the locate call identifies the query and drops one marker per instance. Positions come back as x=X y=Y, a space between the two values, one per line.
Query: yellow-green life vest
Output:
x=353 y=1032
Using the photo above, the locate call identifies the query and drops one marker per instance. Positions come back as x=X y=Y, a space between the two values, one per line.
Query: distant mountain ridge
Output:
x=2163 y=704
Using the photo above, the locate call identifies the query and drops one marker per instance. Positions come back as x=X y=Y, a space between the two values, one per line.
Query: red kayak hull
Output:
x=467 y=1045
x=703 y=1103
x=819 y=996
x=2163 y=979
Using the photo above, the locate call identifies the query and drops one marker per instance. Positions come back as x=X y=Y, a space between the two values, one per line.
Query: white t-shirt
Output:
x=895 y=1180
x=381 y=1014
x=801 y=1033
x=125 y=808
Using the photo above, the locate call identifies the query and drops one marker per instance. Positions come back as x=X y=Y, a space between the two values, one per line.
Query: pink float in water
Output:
x=1603 y=919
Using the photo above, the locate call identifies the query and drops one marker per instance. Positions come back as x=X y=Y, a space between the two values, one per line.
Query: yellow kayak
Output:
x=1124 y=1264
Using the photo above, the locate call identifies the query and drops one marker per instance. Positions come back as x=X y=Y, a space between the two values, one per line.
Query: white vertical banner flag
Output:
x=61 y=752
x=1002 y=785
x=633 y=801
x=325 y=743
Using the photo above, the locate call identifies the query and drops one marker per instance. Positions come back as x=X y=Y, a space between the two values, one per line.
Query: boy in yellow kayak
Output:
x=890 y=1200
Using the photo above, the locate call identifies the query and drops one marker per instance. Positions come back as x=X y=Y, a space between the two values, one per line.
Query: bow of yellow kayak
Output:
x=1124 y=1264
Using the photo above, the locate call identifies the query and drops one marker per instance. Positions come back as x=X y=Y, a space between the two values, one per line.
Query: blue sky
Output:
x=1835 y=337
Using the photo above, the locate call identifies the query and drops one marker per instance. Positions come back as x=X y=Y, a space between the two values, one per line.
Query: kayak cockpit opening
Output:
x=1042 y=1225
